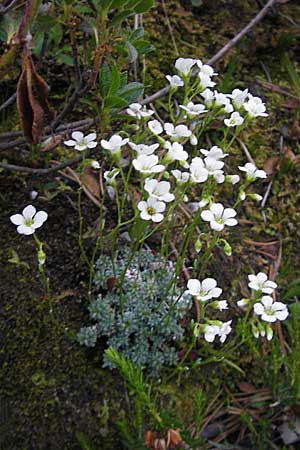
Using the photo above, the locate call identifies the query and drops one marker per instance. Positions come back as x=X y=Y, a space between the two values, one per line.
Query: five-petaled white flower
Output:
x=206 y=68
x=143 y=149
x=261 y=283
x=193 y=109
x=29 y=220
x=238 y=97
x=178 y=132
x=176 y=152
x=181 y=177
x=218 y=216
x=159 y=190
x=152 y=209
x=224 y=330
x=205 y=81
x=255 y=107
x=208 y=96
x=110 y=176
x=147 y=164
x=138 y=111
x=199 y=173
x=175 y=81
x=184 y=65
x=215 y=152
x=204 y=290
x=252 y=172
x=155 y=127
x=114 y=144
x=213 y=167
x=81 y=142
x=210 y=332
x=269 y=310
x=223 y=101
x=235 y=120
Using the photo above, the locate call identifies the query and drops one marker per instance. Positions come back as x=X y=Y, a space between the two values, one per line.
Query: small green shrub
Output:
x=141 y=319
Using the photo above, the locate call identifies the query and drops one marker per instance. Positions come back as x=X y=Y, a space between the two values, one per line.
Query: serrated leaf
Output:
x=131 y=91
x=105 y=80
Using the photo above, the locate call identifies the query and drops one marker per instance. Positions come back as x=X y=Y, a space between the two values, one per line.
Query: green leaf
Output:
x=105 y=80
x=118 y=18
x=131 y=91
x=115 y=80
x=123 y=79
x=137 y=34
x=118 y=4
x=143 y=6
x=115 y=102
x=132 y=52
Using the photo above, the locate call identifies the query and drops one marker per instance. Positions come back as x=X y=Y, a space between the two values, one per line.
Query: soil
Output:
x=51 y=388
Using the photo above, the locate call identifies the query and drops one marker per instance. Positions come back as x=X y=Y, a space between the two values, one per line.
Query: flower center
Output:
x=151 y=211
x=269 y=311
x=28 y=222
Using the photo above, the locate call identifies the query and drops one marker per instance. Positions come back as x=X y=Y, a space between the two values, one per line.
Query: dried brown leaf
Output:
x=91 y=182
x=32 y=102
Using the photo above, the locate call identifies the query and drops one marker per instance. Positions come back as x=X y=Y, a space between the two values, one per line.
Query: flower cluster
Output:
x=204 y=291
x=266 y=310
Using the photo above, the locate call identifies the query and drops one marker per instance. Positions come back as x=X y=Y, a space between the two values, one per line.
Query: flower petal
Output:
x=77 y=135
x=17 y=219
x=39 y=219
x=29 y=212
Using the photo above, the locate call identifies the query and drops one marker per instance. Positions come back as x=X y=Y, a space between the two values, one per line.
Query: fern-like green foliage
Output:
x=141 y=318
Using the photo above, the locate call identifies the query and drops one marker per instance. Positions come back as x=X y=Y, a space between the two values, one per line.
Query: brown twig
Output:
x=51 y=170
x=230 y=44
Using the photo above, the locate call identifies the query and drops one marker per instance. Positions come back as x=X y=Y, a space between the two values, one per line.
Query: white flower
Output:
x=193 y=110
x=210 y=332
x=147 y=164
x=176 y=152
x=143 y=149
x=208 y=96
x=223 y=100
x=29 y=220
x=205 y=68
x=224 y=330
x=155 y=127
x=235 y=120
x=218 y=216
x=232 y=179
x=138 y=111
x=215 y=152
x=114 y=144
x=243 y=302
x=95 y=165
x=159 y=190
x=205 y=81
x=270 y=311
x=181 y=177
x=261 y=283
x=255 y=107
x=193 y=140
x=152 y=209
x=220 y=305
x=204 y=290
x=81 y=142
x=252 y=171
x=184 y=65
x=175 y=81
x=180 y=131
x=110 y=176
x=213 y=167
x=199 y=173
x=238 y=97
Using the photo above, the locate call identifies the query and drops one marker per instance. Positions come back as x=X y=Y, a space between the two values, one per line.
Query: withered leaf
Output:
x=91 y=182
x=32 y=102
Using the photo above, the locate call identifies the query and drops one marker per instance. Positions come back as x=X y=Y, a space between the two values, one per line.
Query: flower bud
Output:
x=198 y=245
x=193 y=140
x=269 y=332
x=255 y=197
x=242 y=195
